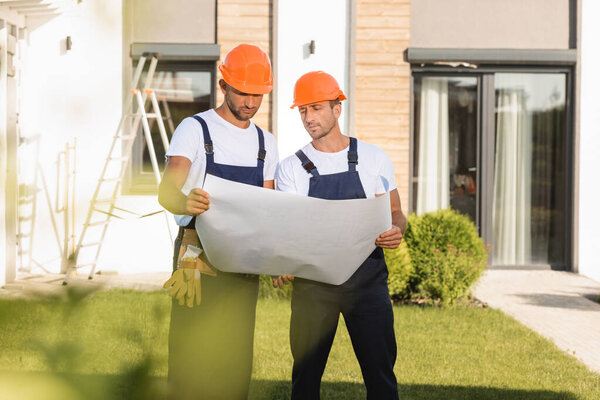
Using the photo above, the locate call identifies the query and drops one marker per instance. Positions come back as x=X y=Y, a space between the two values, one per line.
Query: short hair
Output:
x=333 y=103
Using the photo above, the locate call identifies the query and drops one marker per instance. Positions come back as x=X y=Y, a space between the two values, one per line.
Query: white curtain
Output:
x=433 y=189
x=512 y=177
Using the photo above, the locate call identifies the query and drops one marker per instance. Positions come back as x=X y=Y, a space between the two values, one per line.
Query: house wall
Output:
x=3 y=245
x=589 y=142
x=151 y=21
x=68 y=94
x=78 y=94
x=182 y=21
x=381 y=81
x=516 y=24
x=145 y=245
x=382 y=91
x=330 y=31
x=246 y=22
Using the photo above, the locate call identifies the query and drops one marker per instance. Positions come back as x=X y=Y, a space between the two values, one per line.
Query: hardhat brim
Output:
x=340 y=97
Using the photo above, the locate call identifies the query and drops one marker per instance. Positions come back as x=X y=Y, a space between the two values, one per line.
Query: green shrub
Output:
x=400 y=270
x=446 y=253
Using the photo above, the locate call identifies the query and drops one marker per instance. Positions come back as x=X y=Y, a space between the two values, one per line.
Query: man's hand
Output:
x=390 y=239
x=197 y=202
x=282 y=280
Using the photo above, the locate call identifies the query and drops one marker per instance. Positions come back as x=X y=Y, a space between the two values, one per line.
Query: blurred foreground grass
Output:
x=113 y=345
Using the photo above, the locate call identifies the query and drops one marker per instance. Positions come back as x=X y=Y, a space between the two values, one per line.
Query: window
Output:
x=182 y=89
x=493 y=145
x=445 y=169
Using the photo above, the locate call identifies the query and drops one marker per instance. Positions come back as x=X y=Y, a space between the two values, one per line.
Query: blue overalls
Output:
x=210 y=346
x=363 y=300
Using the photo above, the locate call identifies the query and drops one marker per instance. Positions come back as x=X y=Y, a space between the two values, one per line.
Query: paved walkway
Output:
x=39 y=285
x=558 y=305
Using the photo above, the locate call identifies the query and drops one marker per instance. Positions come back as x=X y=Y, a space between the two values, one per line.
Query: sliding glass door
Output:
x=529 y=169
x=515 y=151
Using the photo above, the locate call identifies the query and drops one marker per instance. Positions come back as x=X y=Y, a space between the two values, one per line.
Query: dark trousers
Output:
x=365 y=304
x=210 y=346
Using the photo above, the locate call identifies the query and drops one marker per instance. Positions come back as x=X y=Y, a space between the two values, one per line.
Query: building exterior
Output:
x=486 y=107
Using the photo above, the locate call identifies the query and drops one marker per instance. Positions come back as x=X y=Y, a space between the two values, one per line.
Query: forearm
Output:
x=171 y=197
x=169 y=190
x=399 y=220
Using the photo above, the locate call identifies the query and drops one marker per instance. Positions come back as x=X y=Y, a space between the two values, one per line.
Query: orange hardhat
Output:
x=248 y=69
x=316 y=86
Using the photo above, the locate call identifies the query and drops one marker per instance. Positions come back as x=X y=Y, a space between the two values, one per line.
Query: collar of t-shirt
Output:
x=212 y=116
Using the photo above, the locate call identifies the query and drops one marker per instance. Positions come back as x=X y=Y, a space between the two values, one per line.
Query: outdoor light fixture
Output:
x=312 y=47
x=68 y=43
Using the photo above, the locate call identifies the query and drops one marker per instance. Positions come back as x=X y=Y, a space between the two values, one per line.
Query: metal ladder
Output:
x=101 y=210
x=27 y=210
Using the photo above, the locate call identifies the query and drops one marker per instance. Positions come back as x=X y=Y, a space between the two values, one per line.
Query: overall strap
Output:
x=208 y=144
x=307 y=164
x=261 y=148
x=352 y=155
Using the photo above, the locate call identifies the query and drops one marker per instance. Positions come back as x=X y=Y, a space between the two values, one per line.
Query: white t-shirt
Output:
x=232 y=146
x=374 y=167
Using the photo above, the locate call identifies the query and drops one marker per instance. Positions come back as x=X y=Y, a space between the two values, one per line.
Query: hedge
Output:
x=446 y=256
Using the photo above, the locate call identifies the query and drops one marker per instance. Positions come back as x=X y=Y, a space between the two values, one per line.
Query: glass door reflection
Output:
x=529 y=207
x=445 y=164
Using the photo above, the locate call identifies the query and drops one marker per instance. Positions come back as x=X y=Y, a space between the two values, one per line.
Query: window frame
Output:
x=136 y=181
x=486 y=145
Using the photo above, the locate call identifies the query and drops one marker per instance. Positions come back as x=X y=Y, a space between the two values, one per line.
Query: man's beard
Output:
x=319 y=135
x=236 y=111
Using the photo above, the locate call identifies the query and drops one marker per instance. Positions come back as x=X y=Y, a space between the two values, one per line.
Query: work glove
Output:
x=185 y=286
x=185 y=282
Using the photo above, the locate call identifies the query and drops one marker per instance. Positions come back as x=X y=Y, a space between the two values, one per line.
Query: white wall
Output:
x=78 y=93
x=181 y=21
x=589 y=163
x=517 y=24
x=4 y=247
x=298 y=24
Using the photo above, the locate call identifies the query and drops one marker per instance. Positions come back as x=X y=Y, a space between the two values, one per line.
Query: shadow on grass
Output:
x=262 y=389
x=133 y=384
x=109 y=387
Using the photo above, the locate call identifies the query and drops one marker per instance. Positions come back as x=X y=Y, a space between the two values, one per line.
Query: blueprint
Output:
x=254 y=230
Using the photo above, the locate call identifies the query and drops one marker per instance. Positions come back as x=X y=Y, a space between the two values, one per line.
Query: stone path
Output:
x=560 y=306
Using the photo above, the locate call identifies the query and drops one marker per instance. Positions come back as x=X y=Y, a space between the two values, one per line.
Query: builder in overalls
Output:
x=336 y=167
x=212 y=317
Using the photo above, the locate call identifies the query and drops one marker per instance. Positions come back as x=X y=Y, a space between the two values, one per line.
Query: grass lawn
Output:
x=114 y=346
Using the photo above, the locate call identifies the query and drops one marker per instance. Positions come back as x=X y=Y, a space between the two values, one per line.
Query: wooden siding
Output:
x=382 y=77
x=245 y=22
x=383 y=82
